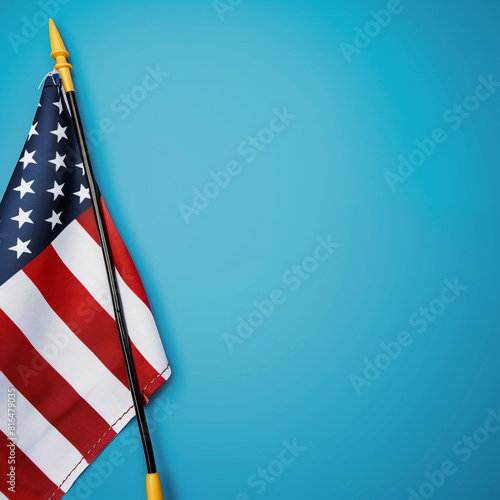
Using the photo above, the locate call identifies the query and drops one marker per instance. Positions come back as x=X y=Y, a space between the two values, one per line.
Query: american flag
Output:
x=63 y=385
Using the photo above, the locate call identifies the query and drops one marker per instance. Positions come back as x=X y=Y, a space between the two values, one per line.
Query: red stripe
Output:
x=73 y=303
x=123 y=261
x=31 y=482
x=48 y=391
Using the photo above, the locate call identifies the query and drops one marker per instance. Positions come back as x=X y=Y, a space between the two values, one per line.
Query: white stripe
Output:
x=42 y=443
x=23 y=303
x=141 y=328
x=83 y=257
x=2 y=496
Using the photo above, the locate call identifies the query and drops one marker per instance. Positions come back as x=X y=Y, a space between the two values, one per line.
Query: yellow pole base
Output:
x=153 y=487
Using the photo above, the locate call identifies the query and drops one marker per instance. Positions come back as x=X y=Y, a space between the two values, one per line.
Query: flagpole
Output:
x=60 y=54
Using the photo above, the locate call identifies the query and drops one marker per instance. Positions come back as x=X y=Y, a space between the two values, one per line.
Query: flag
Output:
x=63 y=385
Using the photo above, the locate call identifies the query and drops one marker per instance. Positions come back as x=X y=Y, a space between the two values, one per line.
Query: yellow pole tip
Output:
x=56 y=43
x=60 y=54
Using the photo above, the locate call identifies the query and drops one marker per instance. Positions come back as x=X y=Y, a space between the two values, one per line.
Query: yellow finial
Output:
x=60 y=54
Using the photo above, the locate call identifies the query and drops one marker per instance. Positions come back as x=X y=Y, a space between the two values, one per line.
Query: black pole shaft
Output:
x=113 y=285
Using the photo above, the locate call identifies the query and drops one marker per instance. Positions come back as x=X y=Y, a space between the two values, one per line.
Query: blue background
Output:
x=323 y=175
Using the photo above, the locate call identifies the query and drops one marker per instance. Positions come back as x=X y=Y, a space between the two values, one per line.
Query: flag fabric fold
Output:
x=63 y=383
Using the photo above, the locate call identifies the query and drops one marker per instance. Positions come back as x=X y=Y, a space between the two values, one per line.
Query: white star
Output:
x=60 y=132
x=58 y=161
x=33 y=130
x=83 y=193
x=23 y=217
x=59 y=105
x=54 y=218
x=21 y=247
x=56 y=190
x=27 y=158
x=24 y=187
x=80 y=165
x=39 y=105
